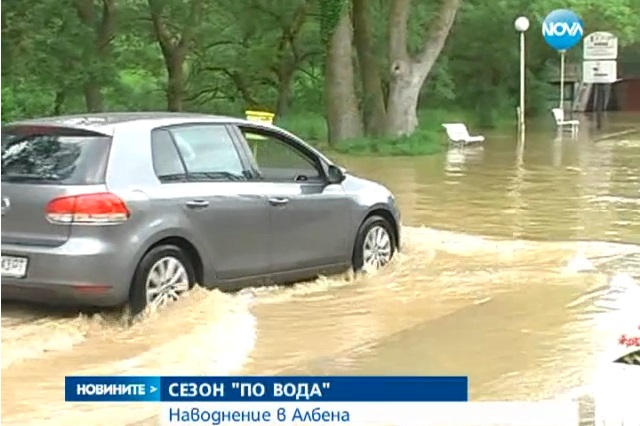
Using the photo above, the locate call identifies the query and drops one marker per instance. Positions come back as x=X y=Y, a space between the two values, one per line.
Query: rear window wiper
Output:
x=198 y=176
x=31 y=177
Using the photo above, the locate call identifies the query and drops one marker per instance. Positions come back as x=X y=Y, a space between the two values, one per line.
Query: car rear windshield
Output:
x=53 y=155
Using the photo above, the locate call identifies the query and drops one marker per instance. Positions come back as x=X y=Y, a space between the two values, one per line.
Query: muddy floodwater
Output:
x=504 y=274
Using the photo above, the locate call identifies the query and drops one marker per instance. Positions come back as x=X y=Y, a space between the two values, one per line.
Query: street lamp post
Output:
x=562 y=52
x=522 y=25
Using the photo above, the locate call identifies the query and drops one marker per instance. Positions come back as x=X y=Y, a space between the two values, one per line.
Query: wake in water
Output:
x=267 y=330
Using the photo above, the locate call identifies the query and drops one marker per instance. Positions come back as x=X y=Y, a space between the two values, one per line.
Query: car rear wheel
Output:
x=375 y=245
x=164 y=274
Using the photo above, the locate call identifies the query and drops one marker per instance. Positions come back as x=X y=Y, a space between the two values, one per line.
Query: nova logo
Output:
x=562 y=29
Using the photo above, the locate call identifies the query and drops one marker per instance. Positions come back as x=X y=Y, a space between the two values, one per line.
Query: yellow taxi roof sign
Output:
x=263 y=116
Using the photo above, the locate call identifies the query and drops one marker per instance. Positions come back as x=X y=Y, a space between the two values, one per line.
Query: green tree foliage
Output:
x=224 y=56
x=330 y=13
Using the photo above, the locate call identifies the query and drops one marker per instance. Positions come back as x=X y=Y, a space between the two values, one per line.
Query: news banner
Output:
x=287 y=400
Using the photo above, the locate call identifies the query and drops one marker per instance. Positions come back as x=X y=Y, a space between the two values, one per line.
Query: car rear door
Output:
x=39 y=164
x=310 y=221
x=202 y=170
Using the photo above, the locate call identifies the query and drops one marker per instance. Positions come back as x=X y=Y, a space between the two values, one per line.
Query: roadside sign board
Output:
x=602 y=72
x=600 y=46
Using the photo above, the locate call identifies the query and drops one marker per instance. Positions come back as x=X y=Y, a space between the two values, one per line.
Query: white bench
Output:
x=565 y=125
x=458 y=133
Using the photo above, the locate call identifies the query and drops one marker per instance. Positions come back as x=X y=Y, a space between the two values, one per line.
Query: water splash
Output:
x=580 y=263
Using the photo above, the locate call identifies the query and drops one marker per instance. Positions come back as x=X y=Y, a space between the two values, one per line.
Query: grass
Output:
x=421 y=142
x=428 y=139
x=311 y=127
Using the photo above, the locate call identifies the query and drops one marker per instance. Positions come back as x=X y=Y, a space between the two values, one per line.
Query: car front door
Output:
x=200 y=167
x=310 y=220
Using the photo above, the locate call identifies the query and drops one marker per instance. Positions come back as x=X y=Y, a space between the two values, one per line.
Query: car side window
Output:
x=207 y=149
x=277 y=160
x=166 y=159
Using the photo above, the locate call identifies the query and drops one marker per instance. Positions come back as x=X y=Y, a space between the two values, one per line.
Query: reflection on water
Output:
x=519 y=274
x=456 y=158
x=563 y=190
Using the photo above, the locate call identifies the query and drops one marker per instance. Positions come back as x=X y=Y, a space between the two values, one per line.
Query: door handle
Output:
x=278 y=201
x=197 y=204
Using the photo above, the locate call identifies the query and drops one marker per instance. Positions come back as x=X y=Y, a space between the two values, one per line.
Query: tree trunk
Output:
x=341 y=102
x=58 y=102
x=373 y=107
x=174 y=51
x=284 y=93
x=93 y=95
x=103 y=26
x=176 y=82
x=244 y=88
x=408 y=74
x=289 y=58
x=402 y=105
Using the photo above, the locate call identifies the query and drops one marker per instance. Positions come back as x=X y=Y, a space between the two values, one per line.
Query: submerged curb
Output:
x=607 y=136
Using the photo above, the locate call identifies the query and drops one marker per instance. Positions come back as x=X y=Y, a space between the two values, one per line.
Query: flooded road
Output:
x=491 y=283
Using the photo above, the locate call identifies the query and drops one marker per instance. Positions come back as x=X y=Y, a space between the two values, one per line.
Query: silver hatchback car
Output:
x=107 y=209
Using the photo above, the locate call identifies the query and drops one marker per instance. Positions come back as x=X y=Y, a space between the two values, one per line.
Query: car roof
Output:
x=106 y=122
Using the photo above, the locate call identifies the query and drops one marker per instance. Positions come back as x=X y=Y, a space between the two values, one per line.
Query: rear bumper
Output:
x=82 y=272
x=56 y=294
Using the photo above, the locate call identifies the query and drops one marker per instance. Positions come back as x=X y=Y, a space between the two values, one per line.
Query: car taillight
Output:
x=101 y=208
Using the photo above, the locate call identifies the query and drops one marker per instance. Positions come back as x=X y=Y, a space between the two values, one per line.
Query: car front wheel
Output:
x=375 y=244
x=164 y=274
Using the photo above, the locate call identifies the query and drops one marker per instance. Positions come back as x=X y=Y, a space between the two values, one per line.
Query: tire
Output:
x=372 y=224
x=150 y=266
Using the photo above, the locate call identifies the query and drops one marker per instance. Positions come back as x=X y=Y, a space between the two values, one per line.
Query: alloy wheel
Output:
x=167 y=281
x=376 y=250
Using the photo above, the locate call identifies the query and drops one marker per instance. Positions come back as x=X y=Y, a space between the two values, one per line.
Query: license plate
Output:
x=14 y=267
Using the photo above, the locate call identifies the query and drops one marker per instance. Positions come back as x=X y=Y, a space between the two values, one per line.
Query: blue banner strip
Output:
x=267 y=389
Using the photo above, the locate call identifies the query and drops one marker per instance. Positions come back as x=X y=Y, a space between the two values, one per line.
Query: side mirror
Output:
x=335 y=175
